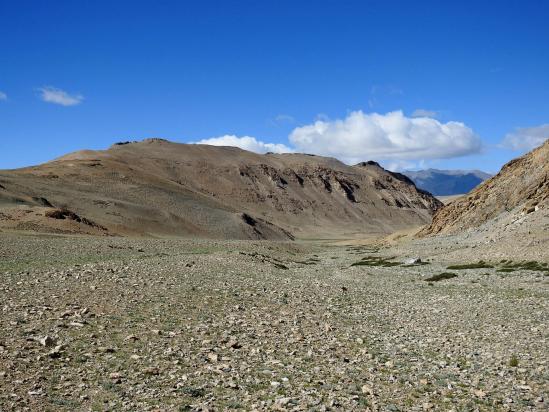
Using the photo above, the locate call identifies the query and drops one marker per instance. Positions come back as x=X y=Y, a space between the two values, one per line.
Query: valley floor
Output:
x=92 y=323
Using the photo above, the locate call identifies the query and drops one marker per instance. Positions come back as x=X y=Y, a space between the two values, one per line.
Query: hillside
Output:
x=159 y=188
x=519 y=189
x=447 y=182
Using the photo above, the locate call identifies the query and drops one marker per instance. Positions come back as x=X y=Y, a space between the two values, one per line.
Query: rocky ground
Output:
x=91 y=323
x=512 y=234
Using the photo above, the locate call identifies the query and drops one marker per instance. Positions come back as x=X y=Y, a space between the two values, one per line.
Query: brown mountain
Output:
x=156 y=187
x=521 y=187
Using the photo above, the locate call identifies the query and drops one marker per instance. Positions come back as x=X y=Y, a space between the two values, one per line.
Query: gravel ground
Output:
x=126 y=324
x=511 y=234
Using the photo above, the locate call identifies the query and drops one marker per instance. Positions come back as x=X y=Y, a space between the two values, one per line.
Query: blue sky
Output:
x=83 y=74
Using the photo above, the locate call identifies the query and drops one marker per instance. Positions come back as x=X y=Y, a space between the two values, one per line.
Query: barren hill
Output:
x=156 y=187
x=520 y=188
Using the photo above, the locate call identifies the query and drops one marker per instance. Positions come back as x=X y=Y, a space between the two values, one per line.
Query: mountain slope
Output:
x=155 y=187
x=521 y=187
x=447 y=182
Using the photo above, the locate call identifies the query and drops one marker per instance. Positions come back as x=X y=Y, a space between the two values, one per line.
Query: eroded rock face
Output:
x=521 y=186
x=304 y=189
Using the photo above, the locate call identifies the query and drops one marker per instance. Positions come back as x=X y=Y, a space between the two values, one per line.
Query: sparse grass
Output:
x=357 y=250
x=70 y=403
x=479 y=265
x=376 y=261
x=66 y=257
x=109 y=386
x=440 y=276
x=384 y=262
x=277 y=263
x=513 y=362
x=422 y=263
x=310 y=261
x=363 y=402
x=295 y=323
x=193 y=392
x=510 y=266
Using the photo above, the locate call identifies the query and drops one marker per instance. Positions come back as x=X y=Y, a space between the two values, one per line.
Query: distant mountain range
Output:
x=447 y=182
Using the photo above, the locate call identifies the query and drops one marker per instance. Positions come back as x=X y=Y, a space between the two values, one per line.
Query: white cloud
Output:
x=399 y=142
x=424 y=113
x=3 y=96
x=57 y=96
x=526 y=138
x=284 y=119
x=391 y=136
x=403 y=165
x=246 y=143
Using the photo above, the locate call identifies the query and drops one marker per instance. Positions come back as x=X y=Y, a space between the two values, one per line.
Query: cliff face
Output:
x=156 y=187
x=522 y=186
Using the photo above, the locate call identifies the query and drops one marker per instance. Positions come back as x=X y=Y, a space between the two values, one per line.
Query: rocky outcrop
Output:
x=521 y=186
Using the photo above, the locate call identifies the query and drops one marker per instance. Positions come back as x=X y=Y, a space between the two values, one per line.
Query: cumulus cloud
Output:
x=3 y=96
x=390 y=136
x=247 y=143
x=424 y=113
x=57 y=96
x=398 y=141
x=526 y=138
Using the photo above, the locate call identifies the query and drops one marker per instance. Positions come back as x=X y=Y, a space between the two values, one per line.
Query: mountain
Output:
x=447 y=182
x=158 y=188
x=521 y=188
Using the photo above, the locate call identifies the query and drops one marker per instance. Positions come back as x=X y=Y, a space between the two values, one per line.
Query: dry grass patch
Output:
x=441 y=276
x=479 y=265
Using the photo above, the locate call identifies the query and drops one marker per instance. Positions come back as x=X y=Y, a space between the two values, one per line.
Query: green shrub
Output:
x=480 y=265
x=513 y=362
x=376 y=261
x=440 y=276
